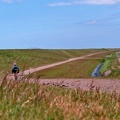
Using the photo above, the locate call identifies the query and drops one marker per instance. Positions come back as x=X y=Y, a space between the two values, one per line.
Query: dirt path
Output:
x=32 y=70
x=108 y=85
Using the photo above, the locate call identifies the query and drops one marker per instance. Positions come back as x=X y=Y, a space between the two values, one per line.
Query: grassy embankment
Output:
x=111 y=63
x=76 y=69
x=27 y=59
x=115 y=66
x=108 y=63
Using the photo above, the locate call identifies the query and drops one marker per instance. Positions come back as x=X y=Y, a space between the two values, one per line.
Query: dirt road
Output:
x=102 y=85
x=108 y=85
x=32 y=70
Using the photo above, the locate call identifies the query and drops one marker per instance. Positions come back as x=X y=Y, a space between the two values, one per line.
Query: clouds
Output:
x=107 y=21
x=91 y=2
x=10 y=1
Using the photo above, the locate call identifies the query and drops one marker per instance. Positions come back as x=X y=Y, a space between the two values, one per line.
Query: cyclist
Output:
x=15 y=71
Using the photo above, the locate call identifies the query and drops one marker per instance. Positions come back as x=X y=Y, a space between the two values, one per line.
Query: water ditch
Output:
x=96 y=72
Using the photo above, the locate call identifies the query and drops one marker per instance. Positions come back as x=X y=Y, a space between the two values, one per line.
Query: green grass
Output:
x=115 y=67
x=24 y=101
x=82 y=68
x=77 y=69
x=108 y=63
x=116 y=62
x=30 y=58
x=115 y=74
x=100 y=56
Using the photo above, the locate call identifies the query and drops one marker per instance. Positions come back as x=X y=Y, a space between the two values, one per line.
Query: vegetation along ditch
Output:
x=106 y=67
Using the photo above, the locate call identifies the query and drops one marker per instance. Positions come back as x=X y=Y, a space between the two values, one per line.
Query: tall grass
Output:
x=24 y=101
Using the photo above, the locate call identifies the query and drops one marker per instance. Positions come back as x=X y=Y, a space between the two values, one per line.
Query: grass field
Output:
x=31 y=58
x=77 y=69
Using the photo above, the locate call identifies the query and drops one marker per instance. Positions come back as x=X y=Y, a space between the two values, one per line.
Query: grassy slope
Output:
x=37 y=57
x=115 y=70
x=76 y=69
x=111 y=63
x=108 y=63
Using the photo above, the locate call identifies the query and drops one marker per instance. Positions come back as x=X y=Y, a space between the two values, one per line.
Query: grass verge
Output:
x=108 y=63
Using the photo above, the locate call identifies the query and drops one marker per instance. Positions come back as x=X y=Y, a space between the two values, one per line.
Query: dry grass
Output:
x=25 y=101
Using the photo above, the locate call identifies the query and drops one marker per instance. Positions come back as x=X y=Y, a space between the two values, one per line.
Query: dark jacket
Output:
x=15 y=69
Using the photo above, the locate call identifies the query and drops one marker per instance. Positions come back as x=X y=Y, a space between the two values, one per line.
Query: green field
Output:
x=76 y=69
x=31 y=58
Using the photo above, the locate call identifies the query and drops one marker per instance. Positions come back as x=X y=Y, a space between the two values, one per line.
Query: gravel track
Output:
x=108 y=85
x=32 y=70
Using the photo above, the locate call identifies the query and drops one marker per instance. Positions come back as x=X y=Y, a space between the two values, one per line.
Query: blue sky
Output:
x=59 y=24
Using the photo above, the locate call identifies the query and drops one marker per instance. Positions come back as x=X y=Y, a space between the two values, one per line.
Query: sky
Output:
x=59 y=24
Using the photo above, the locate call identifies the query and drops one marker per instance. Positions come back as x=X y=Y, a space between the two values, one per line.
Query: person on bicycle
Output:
x=15 y=70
